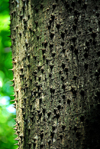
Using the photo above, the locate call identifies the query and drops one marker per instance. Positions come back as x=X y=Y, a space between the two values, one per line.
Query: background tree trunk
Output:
x=56 y=55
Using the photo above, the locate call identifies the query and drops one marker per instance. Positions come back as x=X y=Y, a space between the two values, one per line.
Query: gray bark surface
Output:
x=56 y=65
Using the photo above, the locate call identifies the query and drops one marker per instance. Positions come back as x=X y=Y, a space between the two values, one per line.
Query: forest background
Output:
x=7 y=111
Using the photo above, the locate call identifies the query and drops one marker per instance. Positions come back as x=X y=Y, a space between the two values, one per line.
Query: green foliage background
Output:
x=6 y=118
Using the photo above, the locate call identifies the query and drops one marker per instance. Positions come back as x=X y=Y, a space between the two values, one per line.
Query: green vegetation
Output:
x=7 y=112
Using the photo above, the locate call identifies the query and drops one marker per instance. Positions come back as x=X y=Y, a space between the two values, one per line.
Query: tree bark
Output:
x=56 y=56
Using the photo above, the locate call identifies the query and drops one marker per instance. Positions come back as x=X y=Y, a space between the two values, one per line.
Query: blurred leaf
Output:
x=6 y=132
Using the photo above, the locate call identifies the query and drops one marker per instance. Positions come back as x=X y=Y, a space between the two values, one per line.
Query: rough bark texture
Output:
x=56 y=56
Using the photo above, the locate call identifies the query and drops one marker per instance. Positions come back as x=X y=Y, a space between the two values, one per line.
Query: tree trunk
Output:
x=56 y=55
